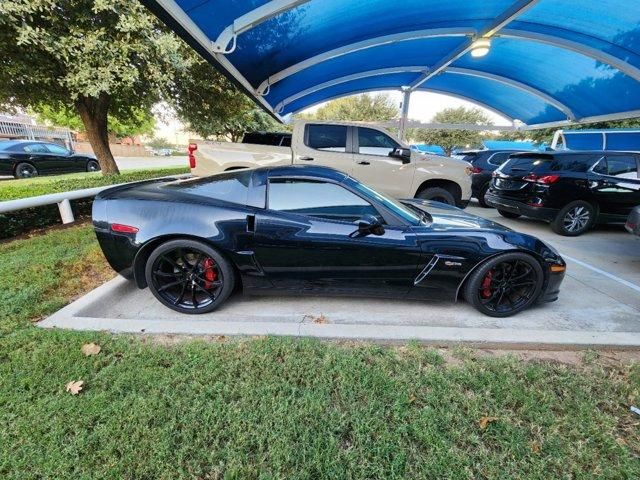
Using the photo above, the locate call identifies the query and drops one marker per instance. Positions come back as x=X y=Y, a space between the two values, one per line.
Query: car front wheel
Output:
x=25 y=170
x=574 y=219
x=189 y=276
x=505 y=285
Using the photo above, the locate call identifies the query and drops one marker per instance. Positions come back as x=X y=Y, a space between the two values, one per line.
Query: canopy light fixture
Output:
x=480 y=47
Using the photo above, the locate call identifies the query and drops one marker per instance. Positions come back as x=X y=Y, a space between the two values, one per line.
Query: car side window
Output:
x=311 y=198
x=328 y=138
x=57 y=149
x=622 y=166
x=375 y=142
x=35 y=148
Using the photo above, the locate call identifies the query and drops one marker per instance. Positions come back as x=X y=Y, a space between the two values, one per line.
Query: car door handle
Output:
x=363 y=162
x=305 y=159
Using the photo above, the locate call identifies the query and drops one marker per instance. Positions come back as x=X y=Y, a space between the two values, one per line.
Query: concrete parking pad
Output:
x=594 y=310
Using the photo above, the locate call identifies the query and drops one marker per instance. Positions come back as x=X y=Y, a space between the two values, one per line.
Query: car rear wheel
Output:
x=505 y=285
x=189 y=276
x=93 y=166
x=574 y=219
x=506 y=214
x=437 y=194
x=25 y=170
x=481 y=195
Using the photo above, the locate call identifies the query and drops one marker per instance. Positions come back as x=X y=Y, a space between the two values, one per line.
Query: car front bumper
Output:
x=514 y=206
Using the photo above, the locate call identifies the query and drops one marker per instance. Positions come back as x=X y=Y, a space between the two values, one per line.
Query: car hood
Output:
x=448 y=217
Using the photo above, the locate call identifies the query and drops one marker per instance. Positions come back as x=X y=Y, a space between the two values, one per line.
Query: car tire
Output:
x=437 y=194
x=93 y=166
x=491 y=290
x=189 y=276
x=506 y=214
x=25 y=170
x=481 y=195
x=574 y=219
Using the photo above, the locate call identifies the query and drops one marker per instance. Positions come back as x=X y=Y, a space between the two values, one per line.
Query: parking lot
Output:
x=599 y=305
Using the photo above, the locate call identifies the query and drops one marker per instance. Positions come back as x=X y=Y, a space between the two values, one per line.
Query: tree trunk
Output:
x=93 y=112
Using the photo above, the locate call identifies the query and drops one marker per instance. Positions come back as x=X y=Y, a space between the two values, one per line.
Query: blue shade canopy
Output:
x=612 y=139
x=551 y=62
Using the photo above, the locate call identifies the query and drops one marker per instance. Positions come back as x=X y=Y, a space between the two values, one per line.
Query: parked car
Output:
x=162 y=152
x=313 y=230
x=27 y=158
x=633 y=221
x=367 y=153
x=483 y=164
x=571 y=190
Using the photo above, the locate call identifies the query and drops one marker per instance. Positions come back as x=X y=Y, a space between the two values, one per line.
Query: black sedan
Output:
x=26 y=159
x=313 y=230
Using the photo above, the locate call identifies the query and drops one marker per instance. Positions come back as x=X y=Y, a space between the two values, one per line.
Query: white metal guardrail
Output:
x=63 y=199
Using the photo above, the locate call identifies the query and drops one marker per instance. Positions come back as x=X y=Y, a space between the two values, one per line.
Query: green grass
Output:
x=14 y=189
x=281 y=408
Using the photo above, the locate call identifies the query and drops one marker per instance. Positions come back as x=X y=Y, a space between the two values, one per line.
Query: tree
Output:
x=357 y=108
x=211 y=106
x=139 y=122
x=450 y=139
x=100 y=58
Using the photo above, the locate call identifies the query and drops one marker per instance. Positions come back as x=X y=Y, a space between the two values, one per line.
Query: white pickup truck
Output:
x=366 y=153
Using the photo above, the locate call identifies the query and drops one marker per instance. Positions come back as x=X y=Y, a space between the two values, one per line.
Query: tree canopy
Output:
x=450 y=139
x=357 y=108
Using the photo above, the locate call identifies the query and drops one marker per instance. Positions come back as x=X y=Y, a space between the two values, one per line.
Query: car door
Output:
x=615 y=183
x=306 y=239
x=38 y=155
x=373 y=166
x=62 y=159
x=325 y=144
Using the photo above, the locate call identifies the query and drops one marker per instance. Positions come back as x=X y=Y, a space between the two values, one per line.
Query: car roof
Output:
x=11 y=143
x=563 y=153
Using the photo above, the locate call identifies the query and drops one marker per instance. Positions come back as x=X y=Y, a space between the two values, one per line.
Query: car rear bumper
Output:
x=514 y=206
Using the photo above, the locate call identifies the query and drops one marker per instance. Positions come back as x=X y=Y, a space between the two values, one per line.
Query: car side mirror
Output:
x=403 y=154
x=369 y=224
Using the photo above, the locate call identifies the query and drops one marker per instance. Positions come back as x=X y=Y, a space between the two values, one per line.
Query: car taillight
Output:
x=192 y=158
x=475 y=170
x=120 y=228
x=542 y=179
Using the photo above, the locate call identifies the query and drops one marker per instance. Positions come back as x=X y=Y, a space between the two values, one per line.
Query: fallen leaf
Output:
x=90 y=349
x=320 y=319
x=535 y=447
x=74 y=386
x=485 y=421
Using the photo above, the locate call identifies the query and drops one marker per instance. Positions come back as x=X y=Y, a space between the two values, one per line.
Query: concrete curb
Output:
x=76 y=317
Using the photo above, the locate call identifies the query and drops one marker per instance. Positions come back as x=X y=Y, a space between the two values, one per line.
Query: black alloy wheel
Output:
x=25 y=170
x=189 y=276
x=93 y=166
x=574 y=219
x=505 y=285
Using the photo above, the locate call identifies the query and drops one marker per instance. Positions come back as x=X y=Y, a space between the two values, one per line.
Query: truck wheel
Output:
x=437 y=194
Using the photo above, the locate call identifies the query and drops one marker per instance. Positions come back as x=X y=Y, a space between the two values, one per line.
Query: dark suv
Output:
x=572 y=190
x=483 y=163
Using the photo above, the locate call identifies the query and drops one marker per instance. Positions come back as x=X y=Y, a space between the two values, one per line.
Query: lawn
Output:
x=14 y=189
x=282 y=408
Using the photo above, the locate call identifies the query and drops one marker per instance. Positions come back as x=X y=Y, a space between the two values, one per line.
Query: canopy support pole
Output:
x=404 y=115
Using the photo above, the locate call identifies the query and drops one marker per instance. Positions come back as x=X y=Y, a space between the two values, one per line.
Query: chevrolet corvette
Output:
x=314 y=230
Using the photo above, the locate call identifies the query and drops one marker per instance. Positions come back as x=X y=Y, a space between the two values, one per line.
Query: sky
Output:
x=423 y=106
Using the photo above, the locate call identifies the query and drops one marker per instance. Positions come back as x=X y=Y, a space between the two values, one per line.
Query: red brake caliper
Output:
x=210 y=275
x=486 y=285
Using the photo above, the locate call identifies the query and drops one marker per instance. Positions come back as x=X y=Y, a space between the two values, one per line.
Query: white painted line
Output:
x=632 y=286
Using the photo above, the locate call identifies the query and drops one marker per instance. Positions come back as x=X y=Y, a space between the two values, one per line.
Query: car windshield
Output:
x=393 y=205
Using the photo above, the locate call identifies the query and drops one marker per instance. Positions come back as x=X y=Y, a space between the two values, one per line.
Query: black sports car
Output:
x=313 y=230
x=27 y=158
